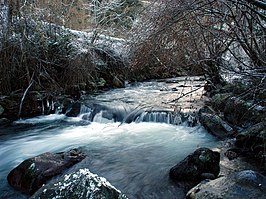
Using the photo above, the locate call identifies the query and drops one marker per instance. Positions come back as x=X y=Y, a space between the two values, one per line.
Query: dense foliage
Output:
x=202 y=36
x=165 y=38
x=36 y=51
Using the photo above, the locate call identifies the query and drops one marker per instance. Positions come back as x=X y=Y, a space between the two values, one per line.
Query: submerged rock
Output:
x=202 y=164
x=81 y=184
x=244 y=184
x=32 y=173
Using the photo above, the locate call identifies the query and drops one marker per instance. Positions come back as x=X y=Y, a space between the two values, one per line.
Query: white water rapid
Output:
x=135 y=157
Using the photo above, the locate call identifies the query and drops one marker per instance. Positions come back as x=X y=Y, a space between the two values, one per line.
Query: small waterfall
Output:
x=103 y=117
x=159 y=117
x=106 y=114
x=84 y=109
x=169 y=117
x=85 y=112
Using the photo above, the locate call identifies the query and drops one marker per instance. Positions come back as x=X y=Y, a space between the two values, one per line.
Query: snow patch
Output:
x=32 y=166
x=83 y=177
x=3 y=21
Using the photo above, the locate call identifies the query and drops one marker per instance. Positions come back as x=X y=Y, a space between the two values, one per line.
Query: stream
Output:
x=131 y=136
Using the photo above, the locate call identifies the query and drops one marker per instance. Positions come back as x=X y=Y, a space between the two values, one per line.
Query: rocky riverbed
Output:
x=238 y=123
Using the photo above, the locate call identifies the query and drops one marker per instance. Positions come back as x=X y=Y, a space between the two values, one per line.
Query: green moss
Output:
x=219 y=100
x=1 y=110
x=204 y=158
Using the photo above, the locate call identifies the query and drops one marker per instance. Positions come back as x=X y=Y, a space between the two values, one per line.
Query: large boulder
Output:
x=243 y=113
x=32 y=173
x=244 y=184
x=202 y=164
x=81 y=184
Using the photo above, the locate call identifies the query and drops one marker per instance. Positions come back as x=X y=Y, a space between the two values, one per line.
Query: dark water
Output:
x=134 y=157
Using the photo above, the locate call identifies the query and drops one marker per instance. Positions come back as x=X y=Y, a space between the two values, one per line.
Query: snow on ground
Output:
x=3 y=20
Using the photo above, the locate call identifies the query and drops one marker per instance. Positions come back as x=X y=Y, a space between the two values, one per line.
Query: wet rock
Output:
x=81 y=184
x=244 y=184
x=32 y=173
x=243 y=113
x=201 y=164
x=174 y=89
x=65 y=102
x=4 y=122
x=99 y=111
x=75 y=110
x=9 y=108
x=216 y=125
x=233 y=153
x=206 y=109
x=253 y=139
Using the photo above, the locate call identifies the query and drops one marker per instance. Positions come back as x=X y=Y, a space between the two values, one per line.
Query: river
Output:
x=132 y=139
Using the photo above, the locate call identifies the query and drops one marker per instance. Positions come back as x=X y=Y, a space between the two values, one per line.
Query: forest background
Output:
x=51 y=48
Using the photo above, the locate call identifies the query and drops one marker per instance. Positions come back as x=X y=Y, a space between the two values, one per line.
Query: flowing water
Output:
x=135 y=154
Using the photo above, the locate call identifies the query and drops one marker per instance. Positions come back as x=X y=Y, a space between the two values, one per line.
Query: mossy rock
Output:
x=235 y=88
x=252 y=137
x=195 y=166
x=218 y=101
x=216 y=125
x=243 y=113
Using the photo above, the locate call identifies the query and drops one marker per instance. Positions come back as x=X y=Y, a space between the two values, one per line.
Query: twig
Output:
x=185 y=94
x=24 y=95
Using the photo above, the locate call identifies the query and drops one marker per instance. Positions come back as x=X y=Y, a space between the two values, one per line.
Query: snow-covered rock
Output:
x=79 y=184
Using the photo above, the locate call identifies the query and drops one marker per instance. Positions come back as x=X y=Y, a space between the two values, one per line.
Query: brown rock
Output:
x=32 y=173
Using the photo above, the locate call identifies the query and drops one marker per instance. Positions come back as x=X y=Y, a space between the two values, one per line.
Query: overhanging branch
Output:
x=258 y=3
